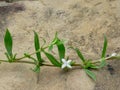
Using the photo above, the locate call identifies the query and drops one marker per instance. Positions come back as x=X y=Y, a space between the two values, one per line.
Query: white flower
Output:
x=114 y=54
x=66 y=63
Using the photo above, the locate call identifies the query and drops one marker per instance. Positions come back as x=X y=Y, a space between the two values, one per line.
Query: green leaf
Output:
x=79 y=54
x=59 y=43
x=52 y=59
x=90 y=74
x=36 y=69
x=14 y=57
x=30 y=57
x=89 y=65
x=54 y=41
x=50 y=47
x=61 y=51
x=94 y=66
x=102 y=63
x=8 y=57
x=72 y=63
x=44 y=42
x=8 y=43
x=37 y=47
x=104 y=47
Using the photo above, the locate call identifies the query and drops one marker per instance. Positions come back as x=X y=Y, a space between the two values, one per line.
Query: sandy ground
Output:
x=81 y=23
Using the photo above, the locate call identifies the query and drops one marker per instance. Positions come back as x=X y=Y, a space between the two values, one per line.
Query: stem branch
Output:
x=31 y=53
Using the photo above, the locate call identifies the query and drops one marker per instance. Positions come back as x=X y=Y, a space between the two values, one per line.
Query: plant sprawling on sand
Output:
x=62 y=62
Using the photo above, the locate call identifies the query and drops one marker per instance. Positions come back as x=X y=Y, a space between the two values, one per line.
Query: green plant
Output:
x=62 y=62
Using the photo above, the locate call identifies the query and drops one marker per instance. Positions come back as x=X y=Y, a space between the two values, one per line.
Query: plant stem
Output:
x=28 y=62
x=107 y=58
x=49 y=65
x=17 y=59
x=18 y=62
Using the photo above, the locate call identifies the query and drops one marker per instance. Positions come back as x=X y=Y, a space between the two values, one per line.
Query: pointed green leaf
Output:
x=90 y=74
x=79 y=54
x=37 y=47
x=30 y=57
x=54 y=41
x=89 y=65
x=36 y=69
x=104 y=47
x=8 y=57
x=102 y=63
x=59 y=43
x=8 y=42
x=94 y=67
x=61 y=51
x=52 y=59
x=50 y=48
x=44 y=42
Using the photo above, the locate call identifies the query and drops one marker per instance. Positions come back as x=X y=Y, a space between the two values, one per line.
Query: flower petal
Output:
x=63 y=60
x=69 y=61
x=114 y=54
x=63 y=66
x=69 y=66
